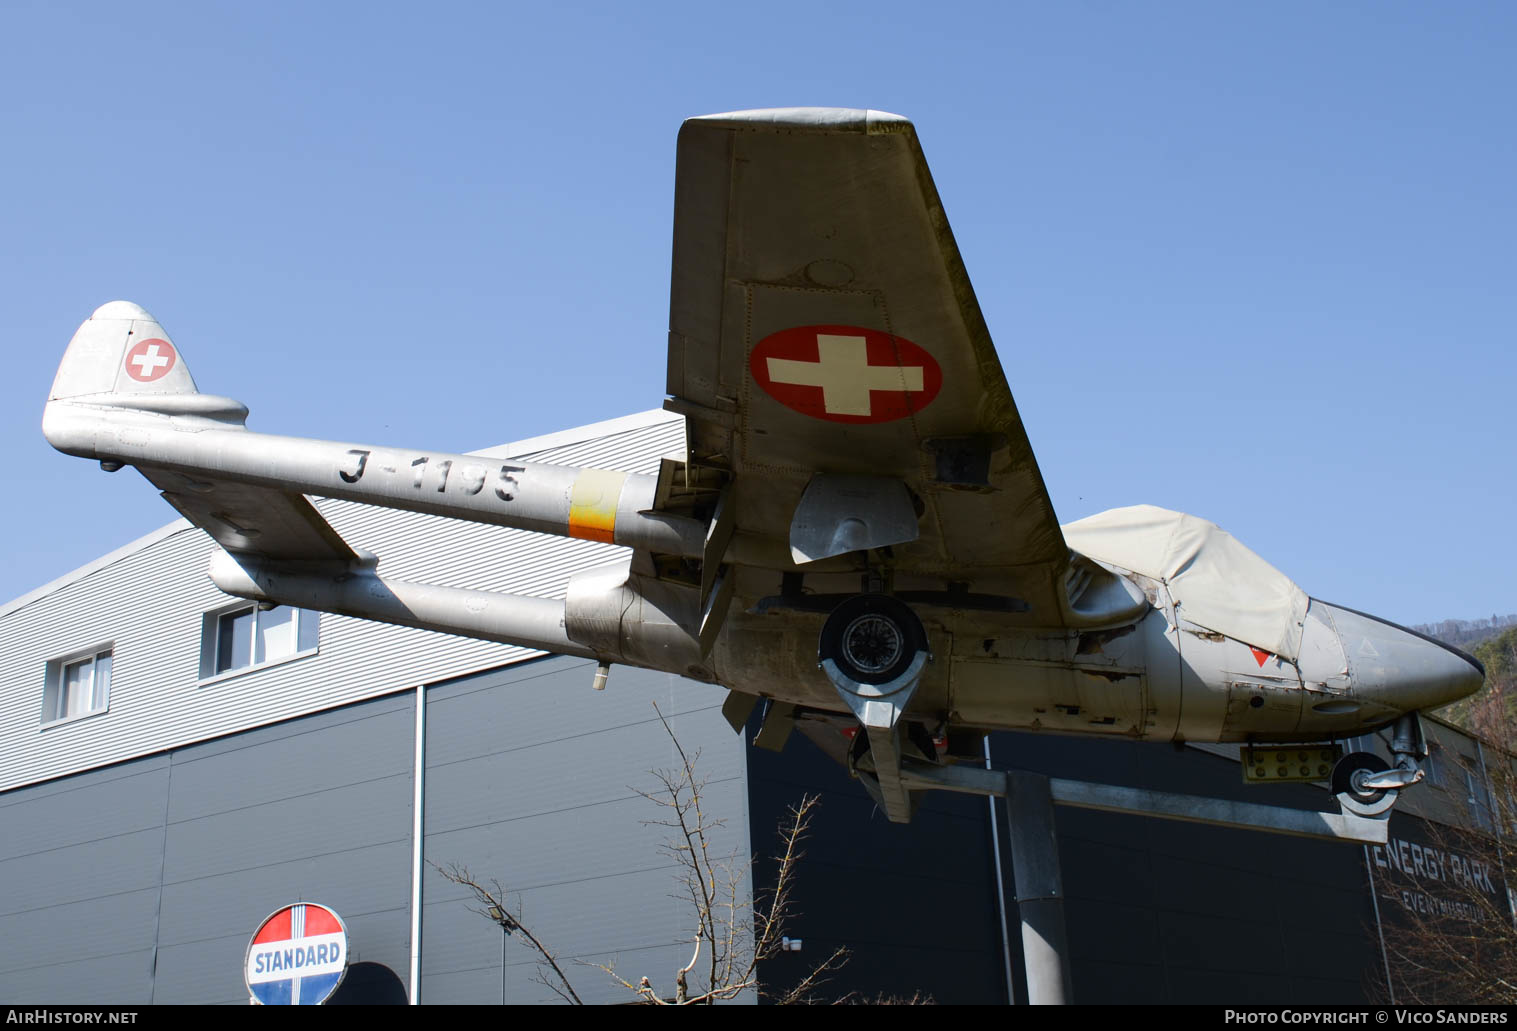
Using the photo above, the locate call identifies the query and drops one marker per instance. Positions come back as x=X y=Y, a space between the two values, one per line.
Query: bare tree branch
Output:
x=1448 y=919
x=733 y=931
x=491 y=904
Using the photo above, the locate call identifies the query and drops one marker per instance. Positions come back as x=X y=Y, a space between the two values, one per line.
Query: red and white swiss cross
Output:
x=845 y=373
x=150 y=359
x=297 y=957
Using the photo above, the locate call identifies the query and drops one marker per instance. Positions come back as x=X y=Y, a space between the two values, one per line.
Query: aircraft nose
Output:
x=1402 y=668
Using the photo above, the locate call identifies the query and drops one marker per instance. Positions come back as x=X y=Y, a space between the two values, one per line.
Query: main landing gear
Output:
x=873 y=648
x=1366 y=785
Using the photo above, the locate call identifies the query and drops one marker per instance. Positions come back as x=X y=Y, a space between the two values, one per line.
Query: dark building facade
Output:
x=1157 y=910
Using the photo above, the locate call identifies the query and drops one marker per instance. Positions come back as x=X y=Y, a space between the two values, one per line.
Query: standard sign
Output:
x=297 y=956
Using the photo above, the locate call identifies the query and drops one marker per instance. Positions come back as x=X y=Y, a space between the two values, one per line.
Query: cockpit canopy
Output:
x=1215 y=581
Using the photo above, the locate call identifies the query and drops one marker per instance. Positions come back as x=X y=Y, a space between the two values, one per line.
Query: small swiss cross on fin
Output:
x=1260 y=656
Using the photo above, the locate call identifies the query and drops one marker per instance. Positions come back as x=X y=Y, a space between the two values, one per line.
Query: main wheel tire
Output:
x=1353 y=800
x=873 y=638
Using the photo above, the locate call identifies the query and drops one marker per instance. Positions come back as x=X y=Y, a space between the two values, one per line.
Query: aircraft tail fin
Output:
x=121 y=349
x=121 y=361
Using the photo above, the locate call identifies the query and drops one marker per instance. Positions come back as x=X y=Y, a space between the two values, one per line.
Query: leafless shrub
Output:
x=1448 y=919
x=732 y=934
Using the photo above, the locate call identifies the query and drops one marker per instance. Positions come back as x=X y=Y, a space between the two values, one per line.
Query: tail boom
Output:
x=187 y=442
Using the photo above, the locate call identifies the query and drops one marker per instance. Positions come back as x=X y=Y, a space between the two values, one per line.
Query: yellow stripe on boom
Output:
x=592 y=505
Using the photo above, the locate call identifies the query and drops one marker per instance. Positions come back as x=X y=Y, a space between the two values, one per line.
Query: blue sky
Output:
x=1254 y=262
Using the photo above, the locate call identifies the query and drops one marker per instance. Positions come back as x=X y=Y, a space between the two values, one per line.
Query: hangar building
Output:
x=175 y=765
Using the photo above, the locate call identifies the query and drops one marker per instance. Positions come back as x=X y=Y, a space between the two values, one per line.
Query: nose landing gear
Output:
x=1367 y=785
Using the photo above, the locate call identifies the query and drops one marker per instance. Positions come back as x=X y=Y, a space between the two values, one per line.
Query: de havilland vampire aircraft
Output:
x=857 y=530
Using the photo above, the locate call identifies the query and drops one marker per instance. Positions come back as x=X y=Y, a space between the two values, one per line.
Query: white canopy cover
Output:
x=1217 y=582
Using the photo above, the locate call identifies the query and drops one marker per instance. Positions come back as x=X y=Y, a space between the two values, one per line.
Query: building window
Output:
x=77 y=686
x=248 y=637
x=1433 y=764
x=1478 y=800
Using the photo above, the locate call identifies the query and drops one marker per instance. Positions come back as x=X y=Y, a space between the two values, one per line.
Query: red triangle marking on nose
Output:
x=1260 y=655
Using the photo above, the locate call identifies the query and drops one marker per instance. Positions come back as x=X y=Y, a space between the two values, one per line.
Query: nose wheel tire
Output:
x=1354 y=798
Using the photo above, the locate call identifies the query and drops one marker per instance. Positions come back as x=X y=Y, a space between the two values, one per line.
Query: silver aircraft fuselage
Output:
x=1144 y=673
x=1155 y=677
x=857 y=523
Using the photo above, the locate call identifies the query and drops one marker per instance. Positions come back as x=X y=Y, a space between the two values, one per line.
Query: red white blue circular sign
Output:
x=297 y=957
x=845 y=373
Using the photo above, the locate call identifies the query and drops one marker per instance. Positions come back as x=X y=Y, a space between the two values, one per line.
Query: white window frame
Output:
x=307 y=632
x=1478 y=795
x=54 y=692
x=1434 y=764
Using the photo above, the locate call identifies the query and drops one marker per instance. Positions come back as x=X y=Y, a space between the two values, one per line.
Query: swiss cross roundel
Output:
x=845 y=373
x=149 y=359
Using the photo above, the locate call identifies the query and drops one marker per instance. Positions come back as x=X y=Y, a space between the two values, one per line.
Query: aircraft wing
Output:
x=821 y=321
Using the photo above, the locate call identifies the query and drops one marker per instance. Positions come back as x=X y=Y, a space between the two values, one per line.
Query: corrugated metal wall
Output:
x=144 y=881
x=533 y=780
x=316 y=809
x=80 y=864
x=148 y=606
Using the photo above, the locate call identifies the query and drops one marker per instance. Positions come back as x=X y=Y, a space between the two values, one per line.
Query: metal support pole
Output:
x=418 y=838
x=995 y=846
x=1039 y=887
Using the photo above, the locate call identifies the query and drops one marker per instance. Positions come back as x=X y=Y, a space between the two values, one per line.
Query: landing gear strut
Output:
x=1367 y=785
x=873 y=648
